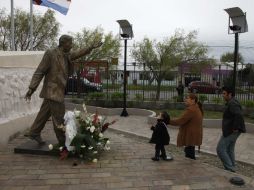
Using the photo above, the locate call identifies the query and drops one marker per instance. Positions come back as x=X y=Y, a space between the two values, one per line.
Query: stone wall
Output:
x=16 y=70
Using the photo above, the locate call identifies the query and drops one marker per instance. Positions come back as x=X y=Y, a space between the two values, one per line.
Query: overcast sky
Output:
x=154 y=18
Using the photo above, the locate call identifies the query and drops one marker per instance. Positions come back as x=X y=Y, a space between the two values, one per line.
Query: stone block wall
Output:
x=16 y=70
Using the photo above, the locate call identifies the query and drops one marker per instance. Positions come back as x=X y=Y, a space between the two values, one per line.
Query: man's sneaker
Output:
x=37 y=138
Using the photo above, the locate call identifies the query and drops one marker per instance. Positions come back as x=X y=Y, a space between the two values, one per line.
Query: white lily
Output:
x=100 y=135
x=106 y=148
x=92 y=129
x=51 y=147
x=77 y=113
x=84 y=107
x=95 y=160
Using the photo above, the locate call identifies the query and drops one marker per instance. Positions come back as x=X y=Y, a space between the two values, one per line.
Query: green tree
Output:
x=172 y=52
x=45 y=30
x=194 y=53
x=109 y=49
x=229 y=57
x=248 y=74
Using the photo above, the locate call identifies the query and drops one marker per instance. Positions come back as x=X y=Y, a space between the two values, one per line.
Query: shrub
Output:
x=138 y=97
x=96 y=96
x=75 y=100
x=217 y=100
x=248 y=103
x=175 y=98
x=202 y=98
x=117 y=96
x=251 y=115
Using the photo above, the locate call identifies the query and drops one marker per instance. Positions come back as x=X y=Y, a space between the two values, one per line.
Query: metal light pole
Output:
x=126 y=34
x=31 y=25
x=235 y=60
x=12 y=26
x=238 y=18
x=124 y=112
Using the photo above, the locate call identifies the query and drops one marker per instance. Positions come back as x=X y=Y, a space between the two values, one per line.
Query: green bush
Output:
x=248 y=103
x=138 y=97
x=75 y=101
x=202 y=98
x=117 y=96
x=152 y=97
x=96 y=95
x=175 y=98
x=217 y=100
x=251 y=115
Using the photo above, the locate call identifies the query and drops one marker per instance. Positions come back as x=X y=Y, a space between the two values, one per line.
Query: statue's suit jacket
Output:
x=55 y=67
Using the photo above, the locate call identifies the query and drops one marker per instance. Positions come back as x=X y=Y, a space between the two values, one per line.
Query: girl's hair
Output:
x=165 y=117
x=194 y=97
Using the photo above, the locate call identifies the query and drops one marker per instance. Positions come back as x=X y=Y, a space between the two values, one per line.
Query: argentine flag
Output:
x=59 y=5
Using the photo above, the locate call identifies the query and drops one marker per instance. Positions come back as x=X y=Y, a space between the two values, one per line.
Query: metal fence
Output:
x=141 y=86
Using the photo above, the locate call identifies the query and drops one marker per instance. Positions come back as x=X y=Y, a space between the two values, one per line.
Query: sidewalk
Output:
x=139 y=126
x=126 y=166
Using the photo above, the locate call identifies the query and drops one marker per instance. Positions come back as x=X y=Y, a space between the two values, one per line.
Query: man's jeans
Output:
x=226 y=150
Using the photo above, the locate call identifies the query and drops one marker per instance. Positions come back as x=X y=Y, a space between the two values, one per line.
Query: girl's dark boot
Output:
x=155 y=158
x=157 y=155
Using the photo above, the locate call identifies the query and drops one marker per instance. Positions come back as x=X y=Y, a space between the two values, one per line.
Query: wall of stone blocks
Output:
x=16 y=70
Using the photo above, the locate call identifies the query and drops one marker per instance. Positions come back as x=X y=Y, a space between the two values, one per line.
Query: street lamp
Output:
x=126 y=34
x=239 y=25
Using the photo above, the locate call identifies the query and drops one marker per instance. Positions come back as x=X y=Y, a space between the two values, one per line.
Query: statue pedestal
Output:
x=32 y=147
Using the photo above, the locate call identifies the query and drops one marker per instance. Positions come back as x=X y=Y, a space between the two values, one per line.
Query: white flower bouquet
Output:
x=84 y=135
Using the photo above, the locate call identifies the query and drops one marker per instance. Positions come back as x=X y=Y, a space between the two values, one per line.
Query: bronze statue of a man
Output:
x=55 y=66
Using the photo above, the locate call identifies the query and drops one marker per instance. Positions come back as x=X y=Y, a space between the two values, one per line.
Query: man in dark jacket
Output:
x=55 y=67
x=232 y=126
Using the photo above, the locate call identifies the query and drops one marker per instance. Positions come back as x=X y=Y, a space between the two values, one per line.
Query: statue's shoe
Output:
x=36 y=138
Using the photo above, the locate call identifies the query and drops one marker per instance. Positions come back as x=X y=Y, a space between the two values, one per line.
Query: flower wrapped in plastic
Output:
x=84 y=134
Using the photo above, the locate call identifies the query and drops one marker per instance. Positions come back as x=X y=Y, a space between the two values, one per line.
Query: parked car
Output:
x=85 y=86
x=203 y=87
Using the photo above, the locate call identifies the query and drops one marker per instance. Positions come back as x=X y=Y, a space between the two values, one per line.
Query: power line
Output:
x=220 y=46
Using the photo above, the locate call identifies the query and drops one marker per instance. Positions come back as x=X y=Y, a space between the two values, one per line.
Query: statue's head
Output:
x=65 y=41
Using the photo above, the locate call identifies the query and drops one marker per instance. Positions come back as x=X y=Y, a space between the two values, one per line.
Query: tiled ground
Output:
x=126 y=166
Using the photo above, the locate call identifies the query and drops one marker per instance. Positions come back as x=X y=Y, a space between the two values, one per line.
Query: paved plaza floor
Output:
x=127 y=165
x=138 y=125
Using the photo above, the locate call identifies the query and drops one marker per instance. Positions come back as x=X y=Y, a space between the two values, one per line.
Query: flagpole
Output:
x=31 y=25
x=12 y=27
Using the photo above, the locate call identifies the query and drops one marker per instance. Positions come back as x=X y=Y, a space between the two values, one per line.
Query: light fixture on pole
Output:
x=239 y=25
x=126 y=34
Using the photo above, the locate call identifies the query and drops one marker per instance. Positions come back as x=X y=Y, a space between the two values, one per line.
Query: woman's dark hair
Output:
x=165 y=117
x=194 y=97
